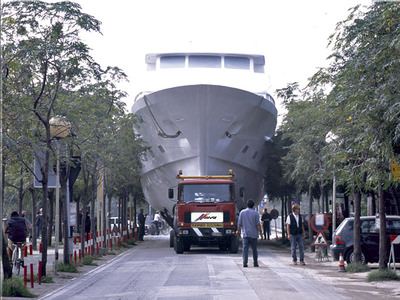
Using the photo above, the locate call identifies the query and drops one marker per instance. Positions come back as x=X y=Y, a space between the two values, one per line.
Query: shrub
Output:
x=14 y=287
x=382 y=275
x=358 y=267
x=67 y=268
x=44 y=279
x=88 y=261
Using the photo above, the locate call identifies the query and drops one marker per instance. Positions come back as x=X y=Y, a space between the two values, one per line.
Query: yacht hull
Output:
x=204 y=130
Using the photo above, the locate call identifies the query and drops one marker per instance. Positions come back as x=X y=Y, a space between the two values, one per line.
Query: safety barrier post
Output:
x=91 y=244
x=80 y=249
x=31 y=263
x=25 y=265
x=119 y=237
x=136 y=232
x=111 y=242
x=75 y=250
x=40 y=264
x=85 y=246
x=97 y=243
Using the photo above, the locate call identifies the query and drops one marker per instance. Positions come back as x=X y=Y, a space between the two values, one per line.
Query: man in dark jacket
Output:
x=141 y=220
x=16 y=230
x=296 y=233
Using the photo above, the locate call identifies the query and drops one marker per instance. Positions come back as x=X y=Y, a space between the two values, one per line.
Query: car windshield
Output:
x=200 y=193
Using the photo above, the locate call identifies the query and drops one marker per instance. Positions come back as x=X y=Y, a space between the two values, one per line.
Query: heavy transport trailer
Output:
x=205 y=213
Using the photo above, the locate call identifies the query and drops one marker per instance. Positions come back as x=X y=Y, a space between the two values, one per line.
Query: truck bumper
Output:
x=206 y=234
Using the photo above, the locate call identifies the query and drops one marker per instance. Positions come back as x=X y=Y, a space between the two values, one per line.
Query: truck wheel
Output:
x=178 y=245
x=171 y=238
x=222 y=245
x=186 y=245
x=234 y=247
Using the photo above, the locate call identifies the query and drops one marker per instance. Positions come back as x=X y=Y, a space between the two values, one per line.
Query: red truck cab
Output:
x=205 y=213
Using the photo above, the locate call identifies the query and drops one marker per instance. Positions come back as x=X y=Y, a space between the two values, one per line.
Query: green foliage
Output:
x=69 y=268
x=14 y=287
x=355 y=102
x=88 y=261
x=382 y=275
x=358 y=267
x=44 y=279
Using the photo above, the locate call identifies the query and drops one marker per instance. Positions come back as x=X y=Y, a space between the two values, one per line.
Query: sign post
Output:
x=320 y=223
x=394 y=240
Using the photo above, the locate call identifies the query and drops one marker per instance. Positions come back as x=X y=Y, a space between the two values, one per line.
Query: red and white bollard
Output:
x=85 y=246
x=135 y=232
x=75 y=250
x=31 y=263
x=97 y=243
x=91 y=244
x=40 y=263
x=25 y=265
x=80 y=249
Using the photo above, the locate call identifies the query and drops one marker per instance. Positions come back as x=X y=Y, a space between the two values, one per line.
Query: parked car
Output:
x=343 y=238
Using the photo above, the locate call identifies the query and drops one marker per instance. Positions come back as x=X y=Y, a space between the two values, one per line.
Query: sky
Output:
x=292 y=34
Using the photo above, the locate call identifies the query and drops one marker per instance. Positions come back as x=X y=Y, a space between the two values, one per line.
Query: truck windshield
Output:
x=206 y=193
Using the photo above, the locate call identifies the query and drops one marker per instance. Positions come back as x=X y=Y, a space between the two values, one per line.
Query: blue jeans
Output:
x=247 y=241
x=294 y=240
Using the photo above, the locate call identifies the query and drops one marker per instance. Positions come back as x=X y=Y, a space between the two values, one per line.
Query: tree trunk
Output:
x=51 y=215
x=20 y=191
x=84 y=204
x=45 y=190
x=310 y=206
x=356 y=227
x=64 y=193
x=383 y=259
x=7 y=270
x=283 y=218
x=33 y=202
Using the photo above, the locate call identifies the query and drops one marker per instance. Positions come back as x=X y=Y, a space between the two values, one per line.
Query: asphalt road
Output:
x=152 y=270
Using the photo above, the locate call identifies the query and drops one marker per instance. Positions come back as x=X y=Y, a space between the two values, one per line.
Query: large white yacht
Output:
x=204 y=113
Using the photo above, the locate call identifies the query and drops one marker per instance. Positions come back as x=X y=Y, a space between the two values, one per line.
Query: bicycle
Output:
x=17 y=257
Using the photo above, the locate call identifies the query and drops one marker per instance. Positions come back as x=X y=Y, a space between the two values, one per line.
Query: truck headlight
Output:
x=185 y=231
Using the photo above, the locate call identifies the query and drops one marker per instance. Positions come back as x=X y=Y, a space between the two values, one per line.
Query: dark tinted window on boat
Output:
x=235 y=62
x=172 y=62
x=204 y=61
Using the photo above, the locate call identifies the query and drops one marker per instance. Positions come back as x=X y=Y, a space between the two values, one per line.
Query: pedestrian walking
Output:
x=28 y=224
x=296 y=233
x=38 y=223
x=249 y=223
x=87 y=223
x=266 y=218
x=141 y=220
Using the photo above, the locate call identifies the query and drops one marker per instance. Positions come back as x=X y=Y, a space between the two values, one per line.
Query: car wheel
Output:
x=350 y=257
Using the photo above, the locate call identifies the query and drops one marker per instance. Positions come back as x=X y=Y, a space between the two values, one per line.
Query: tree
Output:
x=365 y=84
x=43 y=54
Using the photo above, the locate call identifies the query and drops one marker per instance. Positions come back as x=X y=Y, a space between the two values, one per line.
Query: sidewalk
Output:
x=62 y=278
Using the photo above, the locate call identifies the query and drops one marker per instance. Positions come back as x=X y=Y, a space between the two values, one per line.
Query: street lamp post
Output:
x=330 y=138
x=59 y=128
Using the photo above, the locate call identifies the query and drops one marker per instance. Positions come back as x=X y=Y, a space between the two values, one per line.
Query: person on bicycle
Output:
x=17 y=232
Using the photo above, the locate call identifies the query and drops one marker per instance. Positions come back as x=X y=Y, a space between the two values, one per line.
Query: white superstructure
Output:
x=204 y=113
